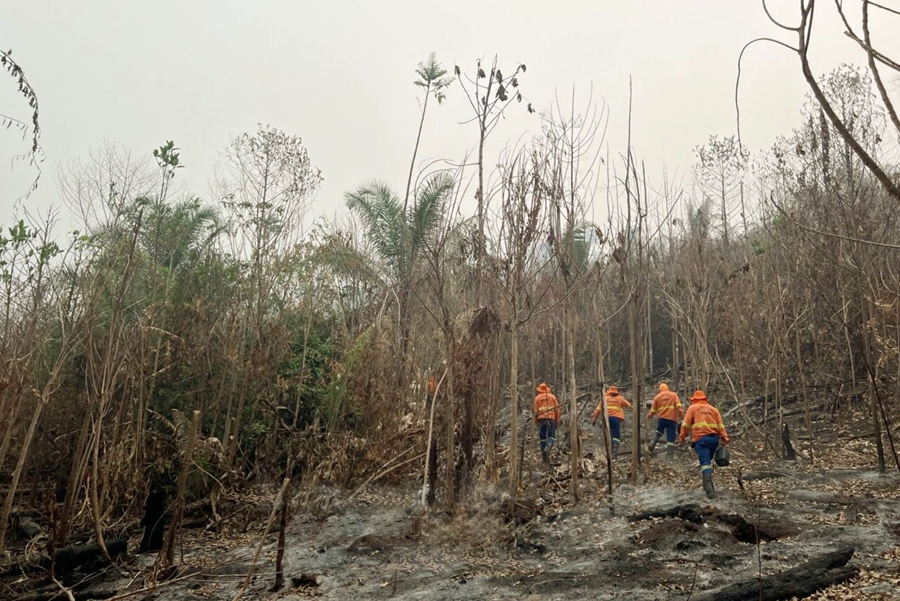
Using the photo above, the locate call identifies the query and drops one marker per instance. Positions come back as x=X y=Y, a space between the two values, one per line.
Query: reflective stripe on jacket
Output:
x=702 y=419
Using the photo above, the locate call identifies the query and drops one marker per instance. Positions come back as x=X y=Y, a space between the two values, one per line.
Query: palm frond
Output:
x=379 y=207
x=431 y=200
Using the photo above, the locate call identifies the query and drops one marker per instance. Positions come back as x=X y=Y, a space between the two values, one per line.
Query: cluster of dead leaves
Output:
x=869 y=585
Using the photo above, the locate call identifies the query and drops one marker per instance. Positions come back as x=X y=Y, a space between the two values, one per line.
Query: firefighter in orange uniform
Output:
x=704 y=423
x=667 y=407
x=616 y=405
x=546 y=415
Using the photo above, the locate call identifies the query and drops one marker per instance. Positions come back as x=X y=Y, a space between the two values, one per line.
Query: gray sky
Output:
x=339 y=74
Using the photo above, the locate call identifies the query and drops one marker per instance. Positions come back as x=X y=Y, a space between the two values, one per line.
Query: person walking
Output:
x=704 y=423
x=432 y=389
x=616 y=405
x=667 y=407
x=546 y=415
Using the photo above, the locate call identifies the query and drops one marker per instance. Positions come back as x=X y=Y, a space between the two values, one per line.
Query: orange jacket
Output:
x=545 y=404
x=666 y=405
x=615 y=406
x=432 y=385
x=702 y=419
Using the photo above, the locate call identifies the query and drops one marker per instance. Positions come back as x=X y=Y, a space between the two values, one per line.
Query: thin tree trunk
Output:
x=490 y=460
x=676 y=361
x=514 y=404
x=282 y=529
x=574 y=433
x=76 y=477
x=607 y=446
x=11 y=425
x=93 y=485
x=634 y=315
x=279 y=499
x=450 y=434
x=167 y=556
x=302 y=376
x=17 y=473
x=803 y=389
x=429 y=480
x=873 y=393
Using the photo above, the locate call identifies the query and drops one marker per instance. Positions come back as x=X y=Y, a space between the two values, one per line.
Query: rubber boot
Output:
x=654 y=440
x=708 y=485
x=545 y=456
x=670 y=452
x=615 y=450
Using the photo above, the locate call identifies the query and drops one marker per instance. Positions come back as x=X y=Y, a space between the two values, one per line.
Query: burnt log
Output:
x=802 y=581
x=86 y=558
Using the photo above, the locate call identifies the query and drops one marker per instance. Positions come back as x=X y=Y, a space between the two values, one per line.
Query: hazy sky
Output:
x=340 y=73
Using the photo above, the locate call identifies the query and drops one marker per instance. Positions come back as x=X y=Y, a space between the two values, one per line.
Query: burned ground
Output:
x=664 y=540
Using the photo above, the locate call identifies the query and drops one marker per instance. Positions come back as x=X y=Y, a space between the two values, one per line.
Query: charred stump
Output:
x=789 y=453
x=154 y=521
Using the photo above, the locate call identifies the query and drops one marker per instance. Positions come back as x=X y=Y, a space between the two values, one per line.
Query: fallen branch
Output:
x=383 y=473
x=764 y=476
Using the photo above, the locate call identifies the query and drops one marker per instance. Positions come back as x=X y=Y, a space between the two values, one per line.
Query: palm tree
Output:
x=179 y=233
x=399 y=235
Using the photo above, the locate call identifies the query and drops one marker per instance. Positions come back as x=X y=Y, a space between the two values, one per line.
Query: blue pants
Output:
x=706 y=449
x=615 y=429
x=546 y=431
x=668 y=426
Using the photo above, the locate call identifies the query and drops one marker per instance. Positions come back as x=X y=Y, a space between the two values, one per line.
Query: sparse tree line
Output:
x=306 y=347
